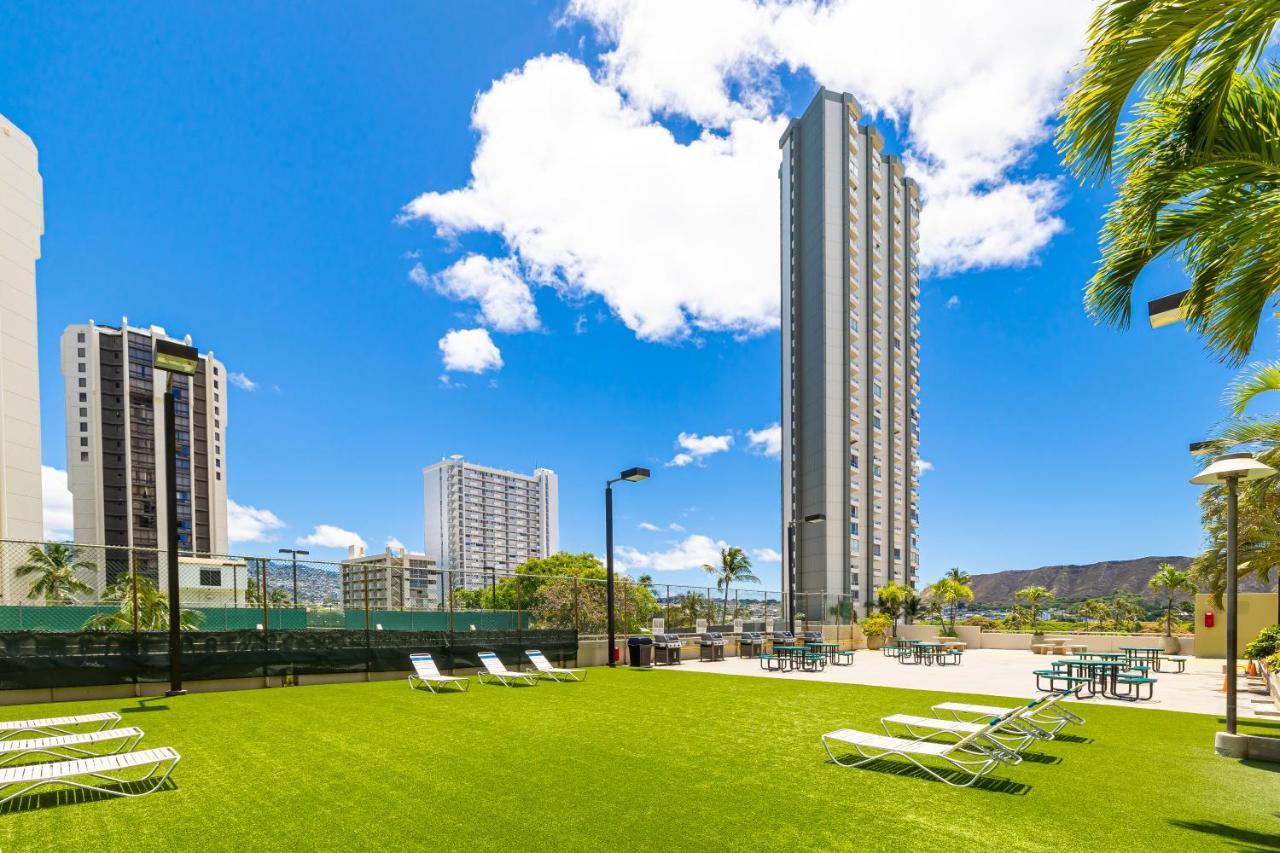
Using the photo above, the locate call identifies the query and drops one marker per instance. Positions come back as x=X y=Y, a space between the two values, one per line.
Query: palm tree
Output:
x=1170 y=581
x=1213 y=207
x=949 y=592
x=889 y=599
x=1097 y=610
x=1158 y=47
x=152 y=608
x=911 y=605
x=56 y=565
x=735 y=565
x=1035 y=597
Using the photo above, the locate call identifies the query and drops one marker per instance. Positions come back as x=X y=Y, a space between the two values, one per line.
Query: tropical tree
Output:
x=734 y=566
x=1036 y=598
x=56 y=566
x=1170 y=581
x=152 y=608
x=1197 y=167
x=911 y=606
x=694 y=606
x=889 y=600
x=949 y=590
x=1097 y=610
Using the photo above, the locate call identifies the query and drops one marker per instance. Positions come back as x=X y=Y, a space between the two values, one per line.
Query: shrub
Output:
x=1266 y=644
x=876 y=624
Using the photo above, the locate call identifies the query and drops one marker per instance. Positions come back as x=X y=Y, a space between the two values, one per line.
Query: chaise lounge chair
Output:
x=159 y=763
x=496 y=672
x=1050 y=714
x=427 y=674
x=57 y=725
x=969 y=756
x=70 y=746
x=1009 y=732
x=555 y=673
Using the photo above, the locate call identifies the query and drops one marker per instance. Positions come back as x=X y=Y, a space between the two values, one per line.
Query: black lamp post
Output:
x=631 y=475
x=173 y=358
x=1230 y=469
x=815 y=518
x=295 y=554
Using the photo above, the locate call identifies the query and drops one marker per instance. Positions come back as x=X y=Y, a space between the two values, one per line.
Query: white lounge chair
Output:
x=57 y=725
x=1010 y=732
x=71 y=746
x=427 y=674
x=969 y=755
x=1048 y=713
x=496 y=671
x=555 y=673
x=159 y=763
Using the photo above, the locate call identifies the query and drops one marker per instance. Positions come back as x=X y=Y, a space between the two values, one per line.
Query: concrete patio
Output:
x=1001 y=672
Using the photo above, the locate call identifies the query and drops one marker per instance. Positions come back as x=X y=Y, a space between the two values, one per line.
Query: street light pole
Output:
x=294 y=552
x=814 y=518
x=631 y=475
x=183 y=360
x=1229 y=469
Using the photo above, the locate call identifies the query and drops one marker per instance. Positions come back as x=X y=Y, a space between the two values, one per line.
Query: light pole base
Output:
x=1230 y=746
x=175 y=693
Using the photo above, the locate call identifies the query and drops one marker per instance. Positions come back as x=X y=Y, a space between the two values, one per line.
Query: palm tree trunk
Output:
x=724 y=611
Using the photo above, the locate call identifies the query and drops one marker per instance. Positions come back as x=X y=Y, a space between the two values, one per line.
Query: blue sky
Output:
x=240 y=175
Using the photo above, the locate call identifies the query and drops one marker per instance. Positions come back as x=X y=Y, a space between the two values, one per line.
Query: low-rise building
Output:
x=392 y=580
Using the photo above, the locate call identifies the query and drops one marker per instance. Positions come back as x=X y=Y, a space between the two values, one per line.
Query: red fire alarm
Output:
x=1208 y=618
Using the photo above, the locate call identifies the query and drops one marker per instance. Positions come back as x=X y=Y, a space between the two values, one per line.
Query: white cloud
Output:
x=506 y=303
x=923 y=467
x=767 y=441
x=953 y=302
x=250 y=524
x=242 y=382
x=395 y=544
x=766 y=555
x=973 y=93
x=329 y=536
x=698 y=447
x=693 y=552
x=470 y=351
x=59 y=518
x=645 y=525
x=675 y=527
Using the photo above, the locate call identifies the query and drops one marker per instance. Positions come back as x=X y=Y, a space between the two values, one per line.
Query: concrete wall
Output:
x=1257 y=610
x=979 y=639
x=919 y=632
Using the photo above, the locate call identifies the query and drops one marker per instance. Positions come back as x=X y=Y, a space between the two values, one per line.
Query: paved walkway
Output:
x=999 y=672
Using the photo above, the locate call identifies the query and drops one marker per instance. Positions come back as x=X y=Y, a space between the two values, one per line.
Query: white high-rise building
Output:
x=485 y=521
x=21 y=226
x=850 y=357
x=392 y=580
x=116 y=466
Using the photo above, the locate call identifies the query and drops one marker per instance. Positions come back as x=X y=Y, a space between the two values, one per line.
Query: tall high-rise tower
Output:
x=850 y=358
x=116 y=465
x=21 y=225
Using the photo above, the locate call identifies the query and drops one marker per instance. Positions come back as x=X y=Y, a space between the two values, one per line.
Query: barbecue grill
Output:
x=711 y=646
x=750 y=644
x=666 y=649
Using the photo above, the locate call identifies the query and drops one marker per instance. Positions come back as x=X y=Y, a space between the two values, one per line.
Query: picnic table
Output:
x=1102 y=674
x=828 y=649
x=927 y=652
x=1142 y=654
x=789 y=657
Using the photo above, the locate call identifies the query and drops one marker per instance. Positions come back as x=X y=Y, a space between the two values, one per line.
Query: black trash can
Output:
x=640 y=651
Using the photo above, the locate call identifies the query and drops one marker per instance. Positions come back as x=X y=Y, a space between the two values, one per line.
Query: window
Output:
x=84 y=383
x=211 y=577
x=84 y=412
x=875 y=549
x=84 y=442
x=84 y=398
x=84 y=427
x=219 y=475
x=897 y=553
x=80 y=337
x=81 y=367
x=84 y=456
x=875 y=421
x=80 y=352
x=853 y=461
x=875 y=388
x=853 y=528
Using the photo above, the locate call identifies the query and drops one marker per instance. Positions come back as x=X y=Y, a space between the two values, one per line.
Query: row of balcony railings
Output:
x=59 y=587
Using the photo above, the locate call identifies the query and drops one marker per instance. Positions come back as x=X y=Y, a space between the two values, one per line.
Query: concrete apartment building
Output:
x=21 y=226
x=481 y=521
x=394 y=580
x=116 y=465
x=850 y=357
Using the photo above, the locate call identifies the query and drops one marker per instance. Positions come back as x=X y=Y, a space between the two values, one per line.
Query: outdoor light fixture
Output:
x=1230 y=469
x=295 y=554
x=631 y=475
x=182 y=359
x=813 y=518
x=1167 y=310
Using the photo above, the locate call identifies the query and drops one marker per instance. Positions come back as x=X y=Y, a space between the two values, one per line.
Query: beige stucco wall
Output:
x=1257 y=610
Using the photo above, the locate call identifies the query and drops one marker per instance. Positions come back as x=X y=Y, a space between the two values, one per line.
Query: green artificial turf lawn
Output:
x=659 y=760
